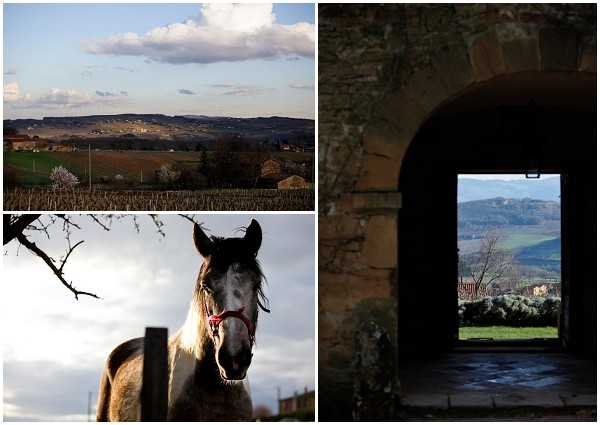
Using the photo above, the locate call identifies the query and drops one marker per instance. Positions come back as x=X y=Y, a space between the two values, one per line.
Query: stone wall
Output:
x=383 y=70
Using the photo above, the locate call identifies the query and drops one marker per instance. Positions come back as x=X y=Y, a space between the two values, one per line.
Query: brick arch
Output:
x=456 y=68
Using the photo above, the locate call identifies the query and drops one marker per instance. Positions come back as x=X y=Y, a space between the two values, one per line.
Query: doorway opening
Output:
x=509 y=281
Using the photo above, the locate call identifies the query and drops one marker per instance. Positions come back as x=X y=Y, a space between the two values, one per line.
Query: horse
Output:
x=210 y=354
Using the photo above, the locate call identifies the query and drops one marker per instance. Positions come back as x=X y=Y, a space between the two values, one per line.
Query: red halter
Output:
x=215 y=320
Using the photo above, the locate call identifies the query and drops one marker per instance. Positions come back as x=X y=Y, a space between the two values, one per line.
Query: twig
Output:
x=94 y=218
x=58 y=272
x=64 y=260
x=159 y=224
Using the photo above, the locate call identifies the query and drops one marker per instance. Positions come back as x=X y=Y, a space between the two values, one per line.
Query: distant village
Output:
x=25 y=143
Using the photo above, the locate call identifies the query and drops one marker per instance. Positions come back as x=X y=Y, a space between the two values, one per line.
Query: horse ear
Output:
x=253 y=236
x=202 y=242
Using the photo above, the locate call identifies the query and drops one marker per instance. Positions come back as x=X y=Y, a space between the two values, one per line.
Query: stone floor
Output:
x=499 y=380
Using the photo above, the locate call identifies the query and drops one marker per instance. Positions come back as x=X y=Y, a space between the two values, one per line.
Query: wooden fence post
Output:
x=155 y=375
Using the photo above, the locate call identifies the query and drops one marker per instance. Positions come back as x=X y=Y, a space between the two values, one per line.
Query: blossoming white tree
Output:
x=62 y=178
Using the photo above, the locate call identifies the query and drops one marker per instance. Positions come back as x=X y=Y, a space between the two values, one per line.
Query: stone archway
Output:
x=548 y=66
x=457 y=68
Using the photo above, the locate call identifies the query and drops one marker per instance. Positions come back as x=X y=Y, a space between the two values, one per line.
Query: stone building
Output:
x=410 y=95
x=293 y=182
x=297 y=403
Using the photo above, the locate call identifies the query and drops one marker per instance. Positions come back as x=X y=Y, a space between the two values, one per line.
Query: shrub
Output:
x=168 y=173
x=510 y=310
x=62 y=178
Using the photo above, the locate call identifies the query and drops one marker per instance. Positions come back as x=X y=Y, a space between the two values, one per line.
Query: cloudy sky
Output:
x=241 y=60
x=55 y=347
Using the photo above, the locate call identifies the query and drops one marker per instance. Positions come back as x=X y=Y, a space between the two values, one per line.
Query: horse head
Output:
x=229 y=289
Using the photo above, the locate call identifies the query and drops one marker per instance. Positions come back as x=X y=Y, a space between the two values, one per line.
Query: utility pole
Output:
x=89 y=413
x=90 y=164
x=141 y=176
x=278 y=398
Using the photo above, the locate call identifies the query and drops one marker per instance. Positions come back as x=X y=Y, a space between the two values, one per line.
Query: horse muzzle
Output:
x=234 y=366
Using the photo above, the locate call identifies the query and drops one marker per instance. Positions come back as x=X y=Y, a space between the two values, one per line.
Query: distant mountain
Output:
x=165 y=127
x=500 y=211
x=470 y=189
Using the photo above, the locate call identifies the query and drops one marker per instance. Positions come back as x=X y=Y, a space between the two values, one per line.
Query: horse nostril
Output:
x=236 y=363
x=244 y=358
x=225 y=360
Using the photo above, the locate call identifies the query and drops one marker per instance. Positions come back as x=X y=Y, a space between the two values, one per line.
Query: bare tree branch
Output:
x=14 y=226
x=64 y=260
x=95 y=219
x=58 y=272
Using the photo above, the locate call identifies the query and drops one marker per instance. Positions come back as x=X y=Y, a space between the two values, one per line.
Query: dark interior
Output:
x=511 y=125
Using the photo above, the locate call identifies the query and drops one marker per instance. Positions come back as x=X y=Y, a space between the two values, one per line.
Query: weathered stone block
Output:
x=520 y=46
x=340 y=292
x=587 y=63
x=369 y=201
x=452 y=62
x=381 y=138
x=381 y=240
x=428 y=88
x=559 y=49
x=339 y=227
x=374 y=385
x=378 y=173
x=522 y=55
x=486 y=56
x=404 y=112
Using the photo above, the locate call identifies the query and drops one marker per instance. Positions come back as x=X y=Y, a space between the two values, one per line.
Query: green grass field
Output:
x=521 y=240
x=129 y=164
x=507 y=332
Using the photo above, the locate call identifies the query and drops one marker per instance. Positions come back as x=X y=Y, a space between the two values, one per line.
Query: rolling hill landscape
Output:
x=472 y=189
x=529 y=227
x=163 y=132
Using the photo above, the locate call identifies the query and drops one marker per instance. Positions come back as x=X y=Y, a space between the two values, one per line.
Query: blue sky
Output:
x=56 y=347
x=235 y=60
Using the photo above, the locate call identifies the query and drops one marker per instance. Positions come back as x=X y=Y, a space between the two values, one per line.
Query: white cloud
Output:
x=302 y=86
x=222 y=33
x=56 y=98
x=233 y=89
x=11 y=92
x=247 y=91
x=63 y=98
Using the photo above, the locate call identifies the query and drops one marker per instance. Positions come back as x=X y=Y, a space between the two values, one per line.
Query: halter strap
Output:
x=214 y=320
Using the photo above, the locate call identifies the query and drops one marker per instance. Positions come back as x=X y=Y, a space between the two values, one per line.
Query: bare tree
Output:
x=23 y=227
x=514 y=276
x=490 y=263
